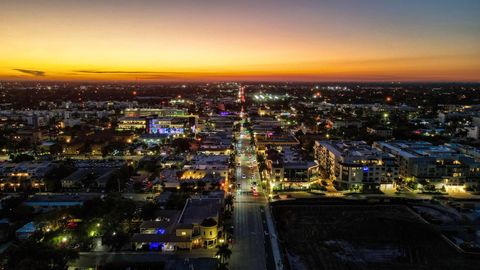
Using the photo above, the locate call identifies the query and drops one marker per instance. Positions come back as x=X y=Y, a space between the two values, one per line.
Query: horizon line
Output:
x=239 y=80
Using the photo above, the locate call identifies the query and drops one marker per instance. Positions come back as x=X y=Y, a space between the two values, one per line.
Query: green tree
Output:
x=223 y=252
x=56 y=149
x=229 y=201
x=38 y=255
x=222 y=266
x=13 y=209
x=181 y=144
x=115 y=238
x=148 y=211
x=201 y=185
x=21 y=157
x=227 y=214
x=21 y=213
x=54 y=177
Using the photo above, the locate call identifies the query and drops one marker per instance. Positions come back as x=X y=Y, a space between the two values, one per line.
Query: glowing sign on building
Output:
x=159 y=127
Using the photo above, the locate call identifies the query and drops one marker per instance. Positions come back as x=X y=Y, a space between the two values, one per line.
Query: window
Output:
x=211 y=233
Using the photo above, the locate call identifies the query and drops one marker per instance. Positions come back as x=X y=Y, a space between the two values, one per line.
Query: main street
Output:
x=252 y=247
x=248 y=251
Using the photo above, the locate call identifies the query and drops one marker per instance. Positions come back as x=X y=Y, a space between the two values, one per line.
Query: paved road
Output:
x=249 y=242
x=248 y=250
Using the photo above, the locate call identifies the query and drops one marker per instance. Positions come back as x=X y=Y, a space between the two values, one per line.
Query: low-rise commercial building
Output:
x=196 y=226
x=271 y=140
x=380 y=132
x=202 y=165
x=26 y=169
x=88 y=177
x=42 y=202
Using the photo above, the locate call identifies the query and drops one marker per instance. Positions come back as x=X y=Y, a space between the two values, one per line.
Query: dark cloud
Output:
x=147 y=75
x=124 y=72
x=36 y=73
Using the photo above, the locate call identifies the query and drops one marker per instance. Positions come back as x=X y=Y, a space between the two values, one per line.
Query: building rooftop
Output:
x=160 y=238
x=27 y=228
x=271 y=138
x=414 y=149
x=198 y=209
x=60 y=197
x=95 y=173
x=166 y=220
x=350 y=151
x=210 y=159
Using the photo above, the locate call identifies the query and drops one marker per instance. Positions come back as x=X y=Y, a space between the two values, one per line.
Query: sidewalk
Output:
x=274 y=240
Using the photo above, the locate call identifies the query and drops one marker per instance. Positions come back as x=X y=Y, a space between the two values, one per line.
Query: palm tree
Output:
x=223 y=253
x=222 y=266
x=227 y=214
x=229 y=201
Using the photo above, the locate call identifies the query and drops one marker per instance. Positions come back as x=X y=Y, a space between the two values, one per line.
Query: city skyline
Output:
x=218 y=40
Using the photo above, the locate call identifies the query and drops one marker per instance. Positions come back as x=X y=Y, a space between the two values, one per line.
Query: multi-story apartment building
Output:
x=288 y=170
x=355 y=164
x=132 y=123
x=441 y=165
x=159 y=112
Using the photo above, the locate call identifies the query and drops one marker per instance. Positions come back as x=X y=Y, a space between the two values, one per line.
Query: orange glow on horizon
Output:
x=309 y=41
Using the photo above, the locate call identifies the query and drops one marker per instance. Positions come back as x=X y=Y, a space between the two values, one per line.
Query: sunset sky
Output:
x=297 y=40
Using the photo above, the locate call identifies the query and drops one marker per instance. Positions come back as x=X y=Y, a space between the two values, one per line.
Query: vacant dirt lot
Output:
x=362 y=237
